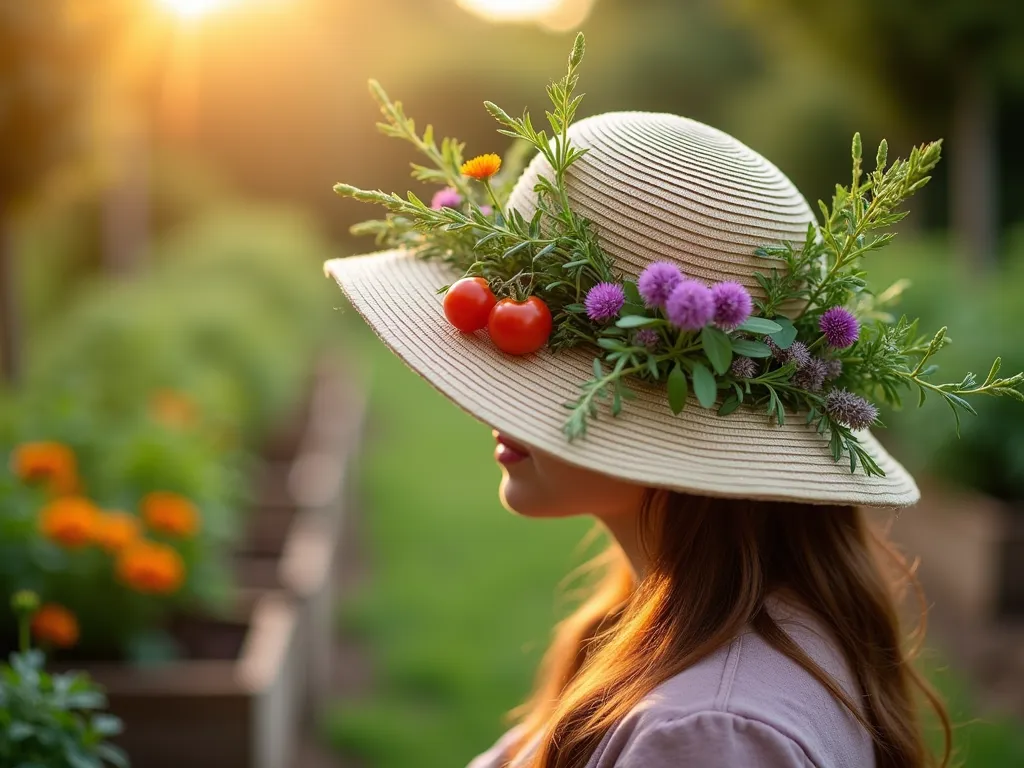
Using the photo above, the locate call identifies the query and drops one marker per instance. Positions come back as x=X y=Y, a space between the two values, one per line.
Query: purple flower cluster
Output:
x=604 y=301
x=446 y=198
x=743 y=368
x=796 y=353
x=811 y=376
x=689 y=304
x=646 y=337
x=850 y=410
x=657 y=282
x=833 y=369
x=839 y=327
x=733 y=305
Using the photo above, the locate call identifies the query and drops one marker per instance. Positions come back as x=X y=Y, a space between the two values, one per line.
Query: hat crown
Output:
x=659 y=187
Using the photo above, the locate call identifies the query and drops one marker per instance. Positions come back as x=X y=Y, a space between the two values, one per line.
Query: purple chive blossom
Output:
x=833 y=369
x=446 y=198
x=604 y=301
x=811 y=377
x=486 y=210
x=850 y=410
x=646 y=337
x=690 y=306
x=657 y=282
x=733 y=305
x=840 y=328
x=743 y=368
x=797 y=352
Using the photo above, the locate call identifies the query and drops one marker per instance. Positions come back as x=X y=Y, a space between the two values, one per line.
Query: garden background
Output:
x=165 y=208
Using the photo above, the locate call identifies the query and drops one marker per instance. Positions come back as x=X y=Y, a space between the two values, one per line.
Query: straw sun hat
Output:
x=655 y=187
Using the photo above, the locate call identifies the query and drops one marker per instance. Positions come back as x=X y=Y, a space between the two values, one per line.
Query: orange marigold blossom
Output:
x=170 y=513
x=482 y=167
x=56 y=625
x=47 y=462
x=69 y=521
x=116 y=530
x=151 y=568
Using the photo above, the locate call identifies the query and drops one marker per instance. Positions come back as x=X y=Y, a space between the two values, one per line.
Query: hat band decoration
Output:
x=813 y=344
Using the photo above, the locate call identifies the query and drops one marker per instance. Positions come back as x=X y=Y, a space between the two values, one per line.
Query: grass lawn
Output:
x=462 y=594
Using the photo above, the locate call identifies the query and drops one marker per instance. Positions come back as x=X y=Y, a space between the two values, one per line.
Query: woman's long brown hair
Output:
x=712 y=565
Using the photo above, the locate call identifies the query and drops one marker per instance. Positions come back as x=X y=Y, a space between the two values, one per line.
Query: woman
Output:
x=726 y=632
x=748 y=614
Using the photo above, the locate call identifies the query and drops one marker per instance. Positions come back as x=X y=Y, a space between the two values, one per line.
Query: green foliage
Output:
x=51 y=720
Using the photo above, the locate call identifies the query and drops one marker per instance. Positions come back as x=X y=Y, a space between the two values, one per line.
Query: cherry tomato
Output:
x=520 y=327
x=468 y=304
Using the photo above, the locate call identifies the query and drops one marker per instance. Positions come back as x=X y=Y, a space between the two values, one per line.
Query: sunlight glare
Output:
x=192 y=9
x=512 y=10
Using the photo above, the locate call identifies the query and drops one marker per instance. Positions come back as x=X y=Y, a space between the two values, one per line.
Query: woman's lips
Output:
x=509 y=452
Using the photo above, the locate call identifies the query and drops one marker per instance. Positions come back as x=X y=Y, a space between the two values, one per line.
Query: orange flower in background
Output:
x=56 y=625
x=482 y=167
x=49 y=463
x=170 y=513
x=151 y=568
x=173 y=409
x=116 y=530
x=69 y=521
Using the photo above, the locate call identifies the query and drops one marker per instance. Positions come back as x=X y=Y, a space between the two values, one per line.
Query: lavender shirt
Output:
x=745 y=706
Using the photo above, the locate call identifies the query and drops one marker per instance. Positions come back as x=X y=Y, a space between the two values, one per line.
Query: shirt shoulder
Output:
x=747 y=696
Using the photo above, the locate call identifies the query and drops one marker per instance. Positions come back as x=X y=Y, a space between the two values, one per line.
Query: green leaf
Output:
x=750 y=348
x=784 y=337
x=760 y=325
x=704 y=385
x=632 y=293
x=598 y=372
x=677 y=389
x=107 y=725
x=636 y=321
x=718 y=348
x=730 y=404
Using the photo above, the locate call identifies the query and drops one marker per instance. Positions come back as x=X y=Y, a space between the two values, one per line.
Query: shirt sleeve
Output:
x=712 y=740
x=495 y=756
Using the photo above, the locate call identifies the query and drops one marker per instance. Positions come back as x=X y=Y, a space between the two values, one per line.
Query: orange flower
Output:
x=172 y=409
x=69 y=521
x=50 y=463
x=482 y=167
x=56 y=625
x=115 y=530
x=151 y=568
x=170 y=513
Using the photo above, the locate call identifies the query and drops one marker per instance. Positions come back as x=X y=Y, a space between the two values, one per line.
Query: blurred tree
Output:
x=943 y=64
x=47 y=52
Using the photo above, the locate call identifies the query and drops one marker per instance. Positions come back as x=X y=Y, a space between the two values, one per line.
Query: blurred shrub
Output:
x=231 y=315
x=161 y=385
x=984 y=315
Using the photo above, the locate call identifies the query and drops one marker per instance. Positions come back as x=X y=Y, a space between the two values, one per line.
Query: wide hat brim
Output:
x=739 y=455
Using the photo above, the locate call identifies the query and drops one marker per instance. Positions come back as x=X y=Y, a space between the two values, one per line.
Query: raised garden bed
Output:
x=245 y=681
x=294 y=536
x=233 y=700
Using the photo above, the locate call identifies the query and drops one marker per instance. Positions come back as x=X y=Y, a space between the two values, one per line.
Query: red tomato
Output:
x=520 y=327
x=468 y=304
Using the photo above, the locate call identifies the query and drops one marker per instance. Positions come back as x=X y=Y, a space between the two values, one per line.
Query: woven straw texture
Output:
x=656 y=188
